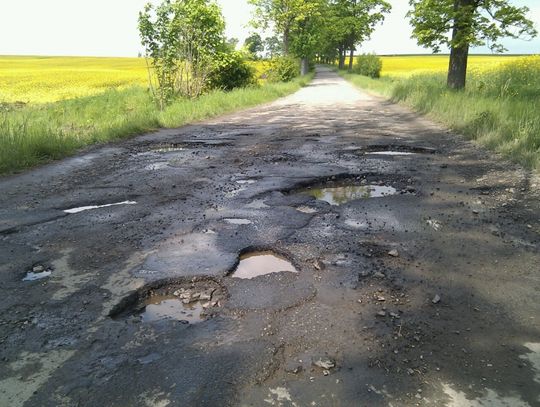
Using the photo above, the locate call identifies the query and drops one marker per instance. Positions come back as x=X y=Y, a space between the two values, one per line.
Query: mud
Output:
x=354 y=326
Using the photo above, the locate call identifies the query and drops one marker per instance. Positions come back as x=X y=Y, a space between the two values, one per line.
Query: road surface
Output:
x=120 y=268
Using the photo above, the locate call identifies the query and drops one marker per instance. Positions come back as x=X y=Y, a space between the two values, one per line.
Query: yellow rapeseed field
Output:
x=411 y=64
x=49 y=79
x=31 y=79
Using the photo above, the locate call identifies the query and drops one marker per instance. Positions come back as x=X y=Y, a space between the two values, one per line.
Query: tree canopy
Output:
x=460 y=24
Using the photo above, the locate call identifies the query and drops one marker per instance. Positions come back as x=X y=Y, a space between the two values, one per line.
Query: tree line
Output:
x=330 y=30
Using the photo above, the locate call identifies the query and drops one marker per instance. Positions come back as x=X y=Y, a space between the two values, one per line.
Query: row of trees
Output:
x=330 y=29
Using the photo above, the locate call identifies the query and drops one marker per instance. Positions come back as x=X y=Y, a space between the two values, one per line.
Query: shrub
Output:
x=282 y=69
x=368 y=65
x=230 y=71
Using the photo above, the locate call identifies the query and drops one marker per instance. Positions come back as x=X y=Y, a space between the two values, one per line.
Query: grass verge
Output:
x=32 y=135
x=499 y=109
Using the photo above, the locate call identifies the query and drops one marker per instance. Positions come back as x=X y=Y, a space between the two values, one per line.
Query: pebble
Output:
x=393 y=253
x=436 y=299
x=381 y=314
x=378 y=274
x=324 y=363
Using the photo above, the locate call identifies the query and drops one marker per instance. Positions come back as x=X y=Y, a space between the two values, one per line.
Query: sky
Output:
x=109 y=28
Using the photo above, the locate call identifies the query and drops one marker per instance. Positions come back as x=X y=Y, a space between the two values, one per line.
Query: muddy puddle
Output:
x=391 y=153
x=90 y=207
x=188 y=303
x=260 y=263
x=341 y=194
x=306 y=209
x=170 y=307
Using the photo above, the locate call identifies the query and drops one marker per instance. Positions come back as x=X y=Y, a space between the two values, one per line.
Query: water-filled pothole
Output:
x=260 y=263
x=38 y=272
x=189 y=303
x=90 y=207
x=395 y=149
x=340 y=194
x=170 y=307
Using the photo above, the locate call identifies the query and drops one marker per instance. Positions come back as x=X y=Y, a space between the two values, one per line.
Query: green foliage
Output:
x=368 y=65
x=477 y=22
x=283 y=69
x=254 y=45
x=231 y=70
x=499 y=109
x=181 y=38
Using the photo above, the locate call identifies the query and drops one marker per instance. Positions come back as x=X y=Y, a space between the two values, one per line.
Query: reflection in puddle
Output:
x=256 y=264
x=305 y=209
x=342 y=194
x=31 y=276
x=390 y=153
x=169 y=307
x=87 y=208
x=156 y=166
x=356 y=224
x=233 y=221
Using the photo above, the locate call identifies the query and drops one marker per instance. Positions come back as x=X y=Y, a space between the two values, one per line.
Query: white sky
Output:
x=109 y=27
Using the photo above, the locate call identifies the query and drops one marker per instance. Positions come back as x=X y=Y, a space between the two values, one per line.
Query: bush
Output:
x=368 y=65
x=230 y=71
x=283 y=69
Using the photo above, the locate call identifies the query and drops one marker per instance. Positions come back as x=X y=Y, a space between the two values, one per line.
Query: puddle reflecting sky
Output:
x=343 y=194
x=260 y=263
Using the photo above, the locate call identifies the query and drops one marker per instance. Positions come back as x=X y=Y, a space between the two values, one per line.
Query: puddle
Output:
x=233 y=221
x=342 y=194
x=390 y=153
x=87 y=208
x=189 y=303
x=156 y=166
x=356 y=224
x=256 y=264
x=306 y=209
x=31 y=276
x=170 y=307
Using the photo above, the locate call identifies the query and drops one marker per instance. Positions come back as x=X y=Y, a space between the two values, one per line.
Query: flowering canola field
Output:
x=30 y=79
x=411 y=64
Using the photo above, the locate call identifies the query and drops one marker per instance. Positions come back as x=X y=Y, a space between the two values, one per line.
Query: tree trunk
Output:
x=457 y=70
x=351 y=59
x=459 y=51
x=286 y=34
x=341 y=64
x=304 y=66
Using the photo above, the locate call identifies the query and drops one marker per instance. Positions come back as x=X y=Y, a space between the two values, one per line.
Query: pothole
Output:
x=245 y=181
x=235 y=221
x=305 y=209
x=259 y=263
x=394 y=149
x=38 y=272
x=188 y=303
x=90 y=207
x=339 y=195
x=169 y=148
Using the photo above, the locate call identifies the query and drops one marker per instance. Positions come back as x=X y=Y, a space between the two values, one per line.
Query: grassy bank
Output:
x=499 y=109
x=35 y=134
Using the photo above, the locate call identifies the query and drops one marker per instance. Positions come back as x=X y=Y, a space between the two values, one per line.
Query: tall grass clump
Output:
x=499 y=108
x=35 y=134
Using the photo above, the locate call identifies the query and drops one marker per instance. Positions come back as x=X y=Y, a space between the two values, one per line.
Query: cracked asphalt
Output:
x=428 y=297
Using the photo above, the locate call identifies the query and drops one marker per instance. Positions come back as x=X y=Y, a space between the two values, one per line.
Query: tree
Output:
x=181 y=39
x=460 y=24
x=254 y=44
x=354 y=21
x=273 y=46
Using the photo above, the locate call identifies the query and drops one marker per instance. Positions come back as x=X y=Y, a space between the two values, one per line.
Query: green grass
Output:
x=32 y=135
x=499 y=108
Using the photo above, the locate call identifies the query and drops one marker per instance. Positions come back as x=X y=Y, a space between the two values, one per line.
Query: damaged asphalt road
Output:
x=412 y=256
